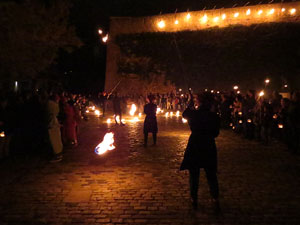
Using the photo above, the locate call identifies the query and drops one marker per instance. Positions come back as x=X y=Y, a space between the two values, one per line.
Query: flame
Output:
x=249 y=121
x=97 y=112
x=161 y=24
x=135 y=119
x=105 y=38
x=123 y=120
x=93 y=107
x=280 y=126
x=176 y=22
x=106 y=145
x=108 y=121
x=158 y=110
x=2 y=134
x=171 y=113
x=118 y=119
x=204 y=19
x=87 y=111
x=240 y=121
x=283 y=10
x=177 y=113
x=236 y=14
x=100 y=31
x=248 y=12
x=292 y=11
x=240 y=113
x=188 y=16
x=230 y=124
x=275 y=116
x=260 y=12
x=262 y=93
x=271 y=11
x=224 y=16
x=167 y=114
x=140 y=114
x=132 y=110
x=184 y=120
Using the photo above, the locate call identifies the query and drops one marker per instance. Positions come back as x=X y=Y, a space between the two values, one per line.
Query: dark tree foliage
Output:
x=218 y=58
x=31 y=34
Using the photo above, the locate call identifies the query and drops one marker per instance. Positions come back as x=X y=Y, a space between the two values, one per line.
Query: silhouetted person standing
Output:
x=201 y=151
x=150 y=123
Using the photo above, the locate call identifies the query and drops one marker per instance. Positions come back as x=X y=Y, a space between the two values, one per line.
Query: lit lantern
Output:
x=204 y=19
x=271 y=11
x=135 y=119
x=260 y=12
x=236 y=14
x=224 y=16
x=248 y=12
x=218 y=92
x=161 y=24
x=188 y=16
x=293 y=11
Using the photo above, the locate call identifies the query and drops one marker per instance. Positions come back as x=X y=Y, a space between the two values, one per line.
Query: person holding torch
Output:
x=201 y=151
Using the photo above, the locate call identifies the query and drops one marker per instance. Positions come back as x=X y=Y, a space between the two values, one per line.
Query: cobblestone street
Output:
x=136 y=185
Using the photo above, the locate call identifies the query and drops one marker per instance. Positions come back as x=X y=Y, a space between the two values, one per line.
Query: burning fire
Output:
x=280 y=126
x=249 y=121
x=118 y=119
x=106 y=145
x=171 y=113
x=135 y=119
x=177 y=113
x=97 y=112
x=184 y=120
x=167 y=114
x=132 y=110
x=158 y=110
x=108 y=121
x=2 y=134
x=140 y=114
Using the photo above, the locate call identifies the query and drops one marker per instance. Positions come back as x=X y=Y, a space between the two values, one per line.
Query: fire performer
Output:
x=201 y=151
x=150 y=123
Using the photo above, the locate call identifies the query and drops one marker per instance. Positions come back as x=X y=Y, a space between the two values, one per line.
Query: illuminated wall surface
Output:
x=192 y=21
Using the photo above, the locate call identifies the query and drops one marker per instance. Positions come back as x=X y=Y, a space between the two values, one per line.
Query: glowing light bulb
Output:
x=161 y=24
x=293 y=11
x=188 y=16
x=204 y=19
x=260 y=12
x=176 y=22
x=236 y=14
x=216 y=19
x=224 y=16
x=248 y=12
x=271 y=11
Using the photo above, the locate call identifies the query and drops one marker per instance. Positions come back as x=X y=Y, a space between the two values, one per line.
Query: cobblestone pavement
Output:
x=136 y=185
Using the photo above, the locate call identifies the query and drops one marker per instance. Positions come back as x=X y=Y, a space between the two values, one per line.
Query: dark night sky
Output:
x=88 y=63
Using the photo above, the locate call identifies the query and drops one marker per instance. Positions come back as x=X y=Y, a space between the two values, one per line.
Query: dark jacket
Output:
x=150 y=124
x=201 y=151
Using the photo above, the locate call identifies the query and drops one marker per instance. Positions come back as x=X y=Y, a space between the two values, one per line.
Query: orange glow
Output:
x=249 y=121
x=280 y=126
x=260 y=12
x=240 y=113
x=240 y=121
x=248 y=12
x=184 y=120
x=135 y=119
x=176 y=22
x=100 y=31
x=106 y=145
x=108 y=121
x=224 y=16
x=204 y=19
x=132 y=110
x=236 y=14
x=293 y=11
x=283 y=10
x=271 y=11
x=177 y=113
x=188 y=16
x=97 y=112
x=2 y=134
x=216 y=19
x=161 y=24
x=167 y=114
x=105 y=38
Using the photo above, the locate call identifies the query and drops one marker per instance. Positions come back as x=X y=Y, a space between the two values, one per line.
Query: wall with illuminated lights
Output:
x=193 y=21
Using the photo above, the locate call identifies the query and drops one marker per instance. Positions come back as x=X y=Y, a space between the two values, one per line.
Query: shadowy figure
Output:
x=201 y=151
x=150 y=123
x=117 y=108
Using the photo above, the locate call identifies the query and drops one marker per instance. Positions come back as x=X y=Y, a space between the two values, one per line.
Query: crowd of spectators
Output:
x=39 y=122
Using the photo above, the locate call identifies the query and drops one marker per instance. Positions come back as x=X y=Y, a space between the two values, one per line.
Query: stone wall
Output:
x=192 y=21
